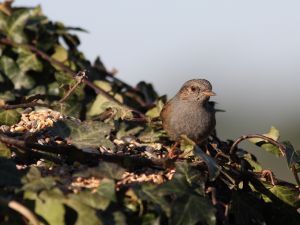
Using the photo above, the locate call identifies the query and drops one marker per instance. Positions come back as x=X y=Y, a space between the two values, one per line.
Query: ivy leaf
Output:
x=3 y=22
x=155 y=111
x=28 y=61
x=9 y=117
x=286 y=194
x=104 y=169
x=292 y=155
x=89 y=134
x=49 y=205
x=60 y=54
x=191 y=209
x=15 y=74
x=85 y=213
x=274 y=134
x=4 y=151
x=34 y=182
x=100 y=199
x=102 y=103
x=17 y=22
x=213 y=167
x=149 y=135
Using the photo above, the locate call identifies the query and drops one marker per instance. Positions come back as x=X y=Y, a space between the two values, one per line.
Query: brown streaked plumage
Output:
x=189 y=112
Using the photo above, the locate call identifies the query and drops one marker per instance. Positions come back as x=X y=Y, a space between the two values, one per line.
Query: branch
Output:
x=80 y=77
x=124 y=160
x=24 y=105
x=245 y=137
x=68 y=71
x=24 y=211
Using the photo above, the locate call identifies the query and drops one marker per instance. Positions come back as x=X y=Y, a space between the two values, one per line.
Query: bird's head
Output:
x=198 y=90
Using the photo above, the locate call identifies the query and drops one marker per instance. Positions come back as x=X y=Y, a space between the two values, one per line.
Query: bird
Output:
x=190 y=112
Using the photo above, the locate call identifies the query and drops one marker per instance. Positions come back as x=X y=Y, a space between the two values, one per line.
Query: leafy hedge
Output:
x=117 y=151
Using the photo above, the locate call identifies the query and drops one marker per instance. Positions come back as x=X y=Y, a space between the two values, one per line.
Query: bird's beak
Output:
x=209 y=93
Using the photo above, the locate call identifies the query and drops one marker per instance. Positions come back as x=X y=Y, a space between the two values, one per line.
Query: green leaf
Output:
x=28 y=61
x=256 y=167
x=9 y=117
x=34 y=182
x=274 y=134
x=155 y=111
x=13 y=72
x=286 y=194
x=85 y=214
x=4 y=151
x=213 y=167
x=3 y=22
x=124 y=132
x=104 y=169
x=102 y=103
x=49 y=205
x=17 y=22
x=60 y=54
x=89 y=134
x=192 y=209
x=185 y=180
x=149 y=135
x=292 y=155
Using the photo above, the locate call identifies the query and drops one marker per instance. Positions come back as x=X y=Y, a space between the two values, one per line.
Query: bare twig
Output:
x=24 y=211
x=80 y=77
x=245 y=137
x=24 y=105
x=295 y=173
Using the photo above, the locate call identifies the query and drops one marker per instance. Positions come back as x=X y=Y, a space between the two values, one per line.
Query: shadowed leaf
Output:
x=90 y=134
x=191 y=209
x=213 y=167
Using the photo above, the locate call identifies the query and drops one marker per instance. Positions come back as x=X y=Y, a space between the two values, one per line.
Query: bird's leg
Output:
x=172 y=150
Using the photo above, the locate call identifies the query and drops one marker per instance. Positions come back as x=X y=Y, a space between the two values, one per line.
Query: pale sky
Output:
x=249 y=50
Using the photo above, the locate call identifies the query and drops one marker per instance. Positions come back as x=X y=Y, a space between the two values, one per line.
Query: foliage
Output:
x=103 y=160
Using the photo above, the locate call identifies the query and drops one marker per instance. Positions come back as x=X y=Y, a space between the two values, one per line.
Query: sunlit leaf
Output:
x=274 y=134
x=50 y=206
x=9 y=117
x=28 y=61
x=15 y=74
x=4 y=151
x=60 y=53
x=155 y=111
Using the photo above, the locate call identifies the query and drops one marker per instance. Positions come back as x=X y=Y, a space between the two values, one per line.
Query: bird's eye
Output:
x=193 y=89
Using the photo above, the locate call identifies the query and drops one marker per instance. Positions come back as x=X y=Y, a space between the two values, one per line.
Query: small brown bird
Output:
x=189 y=112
